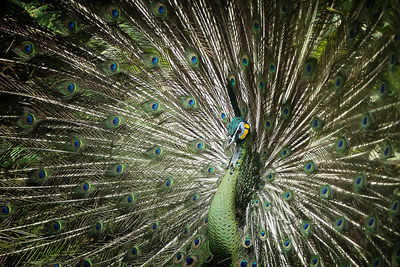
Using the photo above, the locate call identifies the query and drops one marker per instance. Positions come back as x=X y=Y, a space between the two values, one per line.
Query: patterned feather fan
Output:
x=200 y=133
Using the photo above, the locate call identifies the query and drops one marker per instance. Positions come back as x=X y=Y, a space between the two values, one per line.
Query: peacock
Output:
x=200 y=133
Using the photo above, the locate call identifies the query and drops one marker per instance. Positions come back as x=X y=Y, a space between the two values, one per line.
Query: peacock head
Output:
x=238 y=129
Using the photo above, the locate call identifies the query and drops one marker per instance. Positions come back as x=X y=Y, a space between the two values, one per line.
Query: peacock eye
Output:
x=27 y=48
x=71 y=25
x=160 y=9
x=154 y=60
x=114 y=13
x=113 y=67
x=256 y=26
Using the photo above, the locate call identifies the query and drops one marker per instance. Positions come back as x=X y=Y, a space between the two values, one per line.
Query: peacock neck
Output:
x=223 y=228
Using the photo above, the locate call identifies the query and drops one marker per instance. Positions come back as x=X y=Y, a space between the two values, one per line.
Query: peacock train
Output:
x=241 y=133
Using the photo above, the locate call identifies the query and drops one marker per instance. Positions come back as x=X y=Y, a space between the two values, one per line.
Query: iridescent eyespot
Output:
x=5 y=210
x=55 y=226
x=360 y=182
x=190 y=261
x=155 y=152
x=383 y=89
x=29 y=119
x=223 y=116
x=315 y=260
x=159 y=9
x=113 y=67
x=41 y=174
x=99 y=226
x=67 y=88
x=154 y=106
x=196 y=243
x=338 y=83
x=245 y=61
x=115 y=121
x=287 y=195
x=118 y=169
x=308 y=68
x=192 y=58
x=325 y=192
x=199 y=145
x=287 y=245
x=316 y=124
x=179 y=257
x=352 y=32
x=286 y=111
x=306 y=228
x=243 y=263
x=114 y=13
x=340 y=224
x=371 y=224
x=71 y=25
x=85 y=187
x=27 y=48
x=154 y=60
x=256 y=26
x=70 y=87
x=166 y=184
x=272 y=68
x=246 y=242
x=87 y=263
x=285 y=152
x=341 y=145
x=133 y=252
x=77 y=143
x=309 y=167
x=128 y=200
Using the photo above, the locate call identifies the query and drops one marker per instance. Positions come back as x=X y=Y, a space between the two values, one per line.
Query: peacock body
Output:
x=200 y=133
